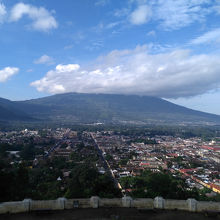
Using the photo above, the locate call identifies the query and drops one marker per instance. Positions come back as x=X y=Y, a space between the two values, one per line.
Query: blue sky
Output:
x=163 y=48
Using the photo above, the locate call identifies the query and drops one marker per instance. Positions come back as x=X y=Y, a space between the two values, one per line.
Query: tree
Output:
x=85 y=181
x=108 y=157
x=27 y=152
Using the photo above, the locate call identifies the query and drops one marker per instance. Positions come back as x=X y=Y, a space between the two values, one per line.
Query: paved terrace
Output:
x=111 y=214
x=116 y=208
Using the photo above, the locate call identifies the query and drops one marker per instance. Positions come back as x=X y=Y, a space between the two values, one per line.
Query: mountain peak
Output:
x=108 y=108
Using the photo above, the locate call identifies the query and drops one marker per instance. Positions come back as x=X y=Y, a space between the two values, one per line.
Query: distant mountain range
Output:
x=103 y=108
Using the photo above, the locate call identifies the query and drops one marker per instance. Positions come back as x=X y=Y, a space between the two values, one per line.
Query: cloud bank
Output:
x=168 y=75
x=7 y=72
x=42 y=19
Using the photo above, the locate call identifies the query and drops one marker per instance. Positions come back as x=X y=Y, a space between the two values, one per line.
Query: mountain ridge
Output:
x=10 y=112
x=90 y=108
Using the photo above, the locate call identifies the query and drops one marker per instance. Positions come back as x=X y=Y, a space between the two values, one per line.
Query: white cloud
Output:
x=151 y=33
x=68 y=47
x=51 y=82
x=3 y=12
x=170 y=14
x=169 y=75
x=121 y=12
x=45 y=59
x=94 y=45
x=113 y=24
x=217 y=6
x=141 y=15
x=217 y=9
x=29 y=70
x=101 y=2
x=212 y=36
x=7 y=72
x=177 y=14
x=42 y=19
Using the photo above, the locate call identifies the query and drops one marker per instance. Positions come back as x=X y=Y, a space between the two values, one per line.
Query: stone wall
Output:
x=29 y=205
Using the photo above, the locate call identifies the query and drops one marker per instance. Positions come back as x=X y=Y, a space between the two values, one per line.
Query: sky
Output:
x=163 y=48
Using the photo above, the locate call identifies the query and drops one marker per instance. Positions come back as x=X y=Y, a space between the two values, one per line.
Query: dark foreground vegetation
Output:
x=46 y=180
x=151 y=185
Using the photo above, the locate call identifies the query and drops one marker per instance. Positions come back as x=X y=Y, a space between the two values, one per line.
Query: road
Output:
x=105 y=162
x=46 y=155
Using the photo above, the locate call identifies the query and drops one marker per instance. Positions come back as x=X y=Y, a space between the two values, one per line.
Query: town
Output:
x=50 y=156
